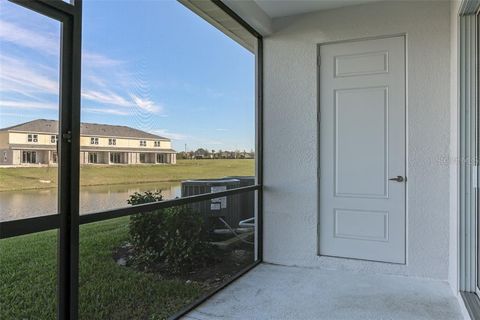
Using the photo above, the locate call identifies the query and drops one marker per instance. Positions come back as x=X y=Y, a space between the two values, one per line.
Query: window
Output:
x=115 y=157
x=143 y=157
x=5 y=158
x=92 y=157
x=54 y=157
x=157 y=144
x=32 y=138
x=110 y=93
x=160 y=158
x=29 y=157
x=53 y=139
x=112 y=141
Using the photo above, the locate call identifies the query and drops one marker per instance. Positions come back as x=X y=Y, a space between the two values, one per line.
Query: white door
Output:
x=362 y=147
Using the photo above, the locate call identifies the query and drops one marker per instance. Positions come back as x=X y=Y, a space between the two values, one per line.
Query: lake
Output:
x=32 y=203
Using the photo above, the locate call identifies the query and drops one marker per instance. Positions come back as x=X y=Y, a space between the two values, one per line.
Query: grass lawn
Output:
x=29 y=178
x=107 y=290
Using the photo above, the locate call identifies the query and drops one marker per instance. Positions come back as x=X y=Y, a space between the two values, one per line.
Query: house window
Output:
x=93 y=140
x=160 y=158
x=115 y=157
x=29 y=157
x=112 y=142
x=92 y=157
x=143 y=143
x=5 y=158
x=54 y=157
x=53 y=139
x=143 y=157
x=157 y=144
x=32 y=138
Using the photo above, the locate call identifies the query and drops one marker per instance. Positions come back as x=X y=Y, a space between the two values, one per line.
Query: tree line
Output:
x=202 y=153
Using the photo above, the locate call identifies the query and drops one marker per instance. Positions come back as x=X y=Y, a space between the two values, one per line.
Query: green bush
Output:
x=144 y=229
x=174 y=237
x=185 y=243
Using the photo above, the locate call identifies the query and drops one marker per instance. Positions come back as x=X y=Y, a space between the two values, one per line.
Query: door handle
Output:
x=398 y=179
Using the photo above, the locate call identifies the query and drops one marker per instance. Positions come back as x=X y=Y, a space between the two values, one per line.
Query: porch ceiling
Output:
x=276 y=9
x=275 y=292
x=260 y=13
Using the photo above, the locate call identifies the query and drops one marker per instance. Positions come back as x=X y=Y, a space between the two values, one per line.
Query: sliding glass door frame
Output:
x=70 y=17
x=469 y=152
x=68 y=219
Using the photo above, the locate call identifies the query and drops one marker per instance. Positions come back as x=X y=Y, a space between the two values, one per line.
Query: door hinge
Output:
x=475 y=177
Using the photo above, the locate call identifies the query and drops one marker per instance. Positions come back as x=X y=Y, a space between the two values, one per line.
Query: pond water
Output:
x=34 y=203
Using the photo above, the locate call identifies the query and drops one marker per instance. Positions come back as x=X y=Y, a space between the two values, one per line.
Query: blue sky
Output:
x=152 y=65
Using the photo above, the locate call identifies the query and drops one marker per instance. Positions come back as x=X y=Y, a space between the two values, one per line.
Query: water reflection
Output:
x=34 y=203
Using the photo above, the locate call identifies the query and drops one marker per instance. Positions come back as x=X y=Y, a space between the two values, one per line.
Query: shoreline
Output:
x=96 y=185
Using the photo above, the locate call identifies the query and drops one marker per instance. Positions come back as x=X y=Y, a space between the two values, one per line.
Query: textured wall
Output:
x=291 y=153
x=453 y=263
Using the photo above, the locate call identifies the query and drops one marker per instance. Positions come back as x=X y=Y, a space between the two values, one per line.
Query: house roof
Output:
x=86 y=129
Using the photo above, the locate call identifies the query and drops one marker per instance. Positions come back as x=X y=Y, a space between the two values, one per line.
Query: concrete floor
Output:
x=276 y=292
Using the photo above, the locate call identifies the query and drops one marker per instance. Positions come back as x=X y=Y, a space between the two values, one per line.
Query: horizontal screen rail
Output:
x=55 y=9
x=149 y=207
x=20 y=227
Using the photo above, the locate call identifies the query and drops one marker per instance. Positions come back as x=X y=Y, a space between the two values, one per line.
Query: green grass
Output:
x=107 y=290
x=29 y=178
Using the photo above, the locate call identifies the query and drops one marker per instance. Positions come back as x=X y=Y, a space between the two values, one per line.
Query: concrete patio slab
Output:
x=277 y=292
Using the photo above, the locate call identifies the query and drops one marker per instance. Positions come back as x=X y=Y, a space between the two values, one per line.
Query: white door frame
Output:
x=405 y=36
x=468 y=145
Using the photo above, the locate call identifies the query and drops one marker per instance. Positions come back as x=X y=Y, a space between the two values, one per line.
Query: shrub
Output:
x=185 y=244
x=145 y=228
x=175 y=237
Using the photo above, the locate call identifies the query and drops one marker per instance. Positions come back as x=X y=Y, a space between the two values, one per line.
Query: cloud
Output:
x=106 y=97
x=109 y=87
x=146 y=104
x=16 y=75
x=111 y=98
x=106 y=111
x=98 y=81
x=42 y=42
x=48 y=43
x=91 y=59
x=28 y=105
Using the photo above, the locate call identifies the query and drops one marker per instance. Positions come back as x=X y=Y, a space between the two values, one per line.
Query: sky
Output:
x=151 y=65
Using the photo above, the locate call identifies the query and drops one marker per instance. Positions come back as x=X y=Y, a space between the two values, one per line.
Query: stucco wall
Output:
x=454 y=152
x=22 y=138
x=290 y=127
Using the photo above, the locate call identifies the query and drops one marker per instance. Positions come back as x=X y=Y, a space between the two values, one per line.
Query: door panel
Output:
x=360 y=154
x=362 y=146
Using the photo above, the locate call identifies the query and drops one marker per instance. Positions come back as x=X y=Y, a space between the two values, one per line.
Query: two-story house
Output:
x=35 y=142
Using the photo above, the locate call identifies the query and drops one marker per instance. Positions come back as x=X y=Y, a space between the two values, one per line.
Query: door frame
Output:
x=318 y=84
x=468 y=145
x=468 y=263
